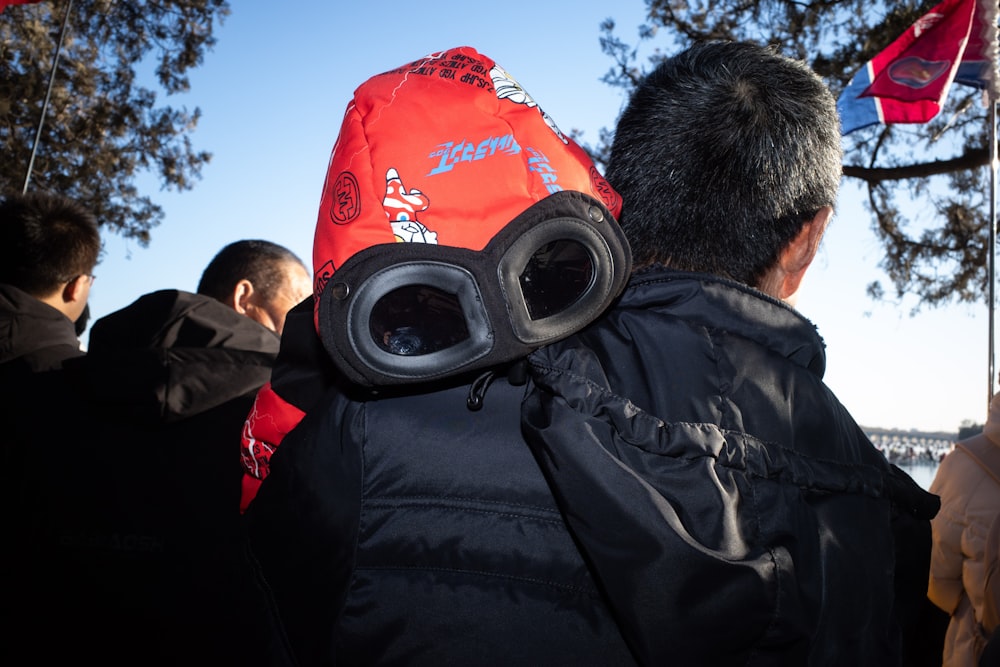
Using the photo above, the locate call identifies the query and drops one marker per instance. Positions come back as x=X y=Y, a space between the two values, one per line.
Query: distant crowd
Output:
x=903 y=449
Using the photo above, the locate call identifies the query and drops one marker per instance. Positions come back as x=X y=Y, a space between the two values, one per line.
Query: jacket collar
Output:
x=28 y=325
x=718 y=303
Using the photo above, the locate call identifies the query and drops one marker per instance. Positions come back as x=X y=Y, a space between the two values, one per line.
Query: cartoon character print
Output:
x=255 y=454
x=402 y=206
x=507 y=88
x=269 y=421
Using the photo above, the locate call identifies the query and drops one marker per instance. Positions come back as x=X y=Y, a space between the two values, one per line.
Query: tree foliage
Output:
x=928 y=185
x=104 y=125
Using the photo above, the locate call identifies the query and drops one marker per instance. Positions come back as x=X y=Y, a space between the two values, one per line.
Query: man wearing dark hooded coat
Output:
x=730 y=507
x=134 y=543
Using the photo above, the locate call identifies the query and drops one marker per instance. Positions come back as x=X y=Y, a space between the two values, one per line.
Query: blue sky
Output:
x=273 y=93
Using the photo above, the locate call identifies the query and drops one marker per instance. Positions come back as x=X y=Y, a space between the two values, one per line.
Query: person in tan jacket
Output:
x=968 y=482
x=991 y=600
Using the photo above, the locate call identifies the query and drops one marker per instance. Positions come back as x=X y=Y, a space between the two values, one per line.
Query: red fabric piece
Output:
x=429 y=171
x=269 y=421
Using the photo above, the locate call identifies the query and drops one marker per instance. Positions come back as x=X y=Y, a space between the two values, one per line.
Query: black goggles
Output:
x=408 y=312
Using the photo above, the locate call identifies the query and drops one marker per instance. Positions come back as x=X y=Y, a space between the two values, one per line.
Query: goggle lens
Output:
x=556 y=276
x=417 y=319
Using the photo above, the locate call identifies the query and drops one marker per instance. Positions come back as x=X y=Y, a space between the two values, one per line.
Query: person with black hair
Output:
x=728 y=505
x=128 y=535
x=259 y=279
x=49 y=246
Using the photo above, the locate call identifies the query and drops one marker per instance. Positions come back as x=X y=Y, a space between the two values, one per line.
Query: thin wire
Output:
x=48 y=94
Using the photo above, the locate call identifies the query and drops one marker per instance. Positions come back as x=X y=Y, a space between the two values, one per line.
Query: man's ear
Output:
x=799 y=254
x=75 y=290
x=240 y=298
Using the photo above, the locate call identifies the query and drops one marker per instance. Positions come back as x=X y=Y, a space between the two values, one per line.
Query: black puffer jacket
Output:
x=409 y=530
x=132 y=541
x=729 y=505
x=33 y=334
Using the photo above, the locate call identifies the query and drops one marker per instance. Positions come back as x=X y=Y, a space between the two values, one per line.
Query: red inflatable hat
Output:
x=447 y=149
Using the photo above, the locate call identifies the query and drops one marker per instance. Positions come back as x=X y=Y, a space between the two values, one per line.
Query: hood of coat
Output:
x=172 y=354
x=29 y=326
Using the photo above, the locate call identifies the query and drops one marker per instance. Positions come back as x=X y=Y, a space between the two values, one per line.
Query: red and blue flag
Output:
x=955 y=42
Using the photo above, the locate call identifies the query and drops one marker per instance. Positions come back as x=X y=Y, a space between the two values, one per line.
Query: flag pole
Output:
x=993 y=244
x=48 y=94
x=988 y=13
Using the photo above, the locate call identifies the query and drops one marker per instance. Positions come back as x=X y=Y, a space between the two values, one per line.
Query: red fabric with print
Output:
x=412 y=164
x=270 y=420
x=447 y=149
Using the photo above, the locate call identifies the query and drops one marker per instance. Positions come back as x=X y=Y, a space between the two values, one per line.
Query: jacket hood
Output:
x=29 y=327
x=173 y=354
